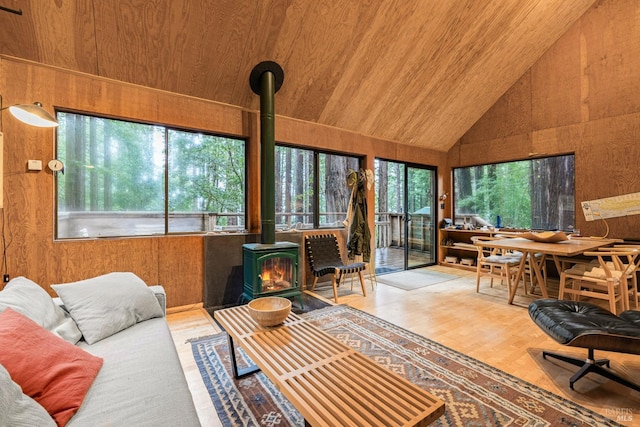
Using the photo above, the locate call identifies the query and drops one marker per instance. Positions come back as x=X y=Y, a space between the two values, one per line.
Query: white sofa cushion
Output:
x=31 y=300
x=16 y=408
x=104 y=305
x=141 y=382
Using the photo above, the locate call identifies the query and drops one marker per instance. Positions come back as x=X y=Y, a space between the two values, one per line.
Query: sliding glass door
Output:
x=405 y=216
x=420 y=245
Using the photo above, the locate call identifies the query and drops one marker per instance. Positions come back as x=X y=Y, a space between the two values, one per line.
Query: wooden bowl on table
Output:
x=269 y=311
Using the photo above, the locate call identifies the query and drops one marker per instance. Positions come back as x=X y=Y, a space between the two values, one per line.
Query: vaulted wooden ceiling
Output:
x=417 y=72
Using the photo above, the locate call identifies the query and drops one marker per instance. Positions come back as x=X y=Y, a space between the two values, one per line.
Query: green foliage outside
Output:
x=119 y=166
x=206 y=173
x=501 y=189
x=529 y=194
x=390 y=187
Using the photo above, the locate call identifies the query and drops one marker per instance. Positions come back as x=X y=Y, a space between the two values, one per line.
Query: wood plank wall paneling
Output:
x=74 y=260
x=557 y=79
x=176 y=262
x=584 y=95
x=396 y=70
x=510 y=115
x=611 y=46
x=180 y=268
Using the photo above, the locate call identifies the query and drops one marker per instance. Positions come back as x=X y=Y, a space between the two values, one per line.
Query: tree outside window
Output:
x=534 y=194
x=311 y=188
x=123 y=178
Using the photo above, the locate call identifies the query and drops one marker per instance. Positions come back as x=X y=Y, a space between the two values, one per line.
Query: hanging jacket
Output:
x=359 y=233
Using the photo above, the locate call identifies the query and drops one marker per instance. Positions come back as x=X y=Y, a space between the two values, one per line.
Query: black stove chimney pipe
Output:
x=265 y=80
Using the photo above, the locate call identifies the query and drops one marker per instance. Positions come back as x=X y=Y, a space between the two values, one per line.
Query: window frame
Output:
x=528 y=159
x=316 y=178
x=166 y=128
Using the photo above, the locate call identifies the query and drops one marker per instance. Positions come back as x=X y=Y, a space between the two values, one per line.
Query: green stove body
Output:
x=270 y=269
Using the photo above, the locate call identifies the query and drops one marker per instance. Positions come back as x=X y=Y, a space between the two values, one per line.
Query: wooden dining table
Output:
x=529 y=249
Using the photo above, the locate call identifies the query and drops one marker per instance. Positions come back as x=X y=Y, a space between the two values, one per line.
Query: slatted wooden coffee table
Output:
x=328 y=382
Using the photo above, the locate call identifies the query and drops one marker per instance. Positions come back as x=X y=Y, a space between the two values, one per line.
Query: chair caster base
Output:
x=591 y=365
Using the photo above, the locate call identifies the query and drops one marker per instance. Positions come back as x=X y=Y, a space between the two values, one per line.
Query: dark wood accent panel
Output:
x=223 y=275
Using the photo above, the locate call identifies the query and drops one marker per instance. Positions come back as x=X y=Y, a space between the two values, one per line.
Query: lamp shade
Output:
x=33 y=114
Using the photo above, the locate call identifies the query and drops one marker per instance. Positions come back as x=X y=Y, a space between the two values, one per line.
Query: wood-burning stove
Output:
x=270 y=269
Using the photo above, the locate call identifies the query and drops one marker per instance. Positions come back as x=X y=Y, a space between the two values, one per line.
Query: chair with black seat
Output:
x=586 y=325
x=323 y=255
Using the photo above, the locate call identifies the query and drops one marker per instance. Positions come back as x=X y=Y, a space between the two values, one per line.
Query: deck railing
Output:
x=390 y=230
x=389 y=226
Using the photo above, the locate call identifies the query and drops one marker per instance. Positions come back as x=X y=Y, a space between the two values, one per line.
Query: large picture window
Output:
x=123 y=178
x=311 y=188
x=529 y=194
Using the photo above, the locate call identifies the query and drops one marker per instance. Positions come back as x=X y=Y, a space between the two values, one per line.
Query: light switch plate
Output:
x=34 y=165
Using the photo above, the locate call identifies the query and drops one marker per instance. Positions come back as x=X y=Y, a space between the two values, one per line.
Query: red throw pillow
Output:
x=52 y=371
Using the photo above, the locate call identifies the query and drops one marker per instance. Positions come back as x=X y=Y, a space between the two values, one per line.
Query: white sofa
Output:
x=140 y=381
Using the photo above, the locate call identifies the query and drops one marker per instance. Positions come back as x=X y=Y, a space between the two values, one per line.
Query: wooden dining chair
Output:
x=495 y=263
x=606 y=277
x=529 y=279
x=633 y=275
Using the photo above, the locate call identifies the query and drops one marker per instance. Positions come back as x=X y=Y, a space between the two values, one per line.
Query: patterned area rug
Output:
x=474 y=393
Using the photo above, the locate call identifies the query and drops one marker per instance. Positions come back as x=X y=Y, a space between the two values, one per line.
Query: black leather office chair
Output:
x=585 y=325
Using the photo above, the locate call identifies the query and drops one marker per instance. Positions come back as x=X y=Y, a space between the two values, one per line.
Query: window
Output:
x=531 y=194
x=311 y=188
x=334 y=195
x=127 y=179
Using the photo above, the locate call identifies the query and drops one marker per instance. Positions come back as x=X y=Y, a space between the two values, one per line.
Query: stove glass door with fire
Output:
x=270 y=270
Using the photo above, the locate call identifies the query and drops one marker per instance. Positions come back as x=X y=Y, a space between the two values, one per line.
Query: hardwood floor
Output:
x=481 y=325
x=184 y=326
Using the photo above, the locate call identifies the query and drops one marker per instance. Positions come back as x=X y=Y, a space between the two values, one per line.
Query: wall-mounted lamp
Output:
x=442 y=198
x=31 y=114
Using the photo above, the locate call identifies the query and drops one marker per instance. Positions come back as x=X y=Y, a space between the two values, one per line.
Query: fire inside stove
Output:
x=276 y=274
x=270 y=269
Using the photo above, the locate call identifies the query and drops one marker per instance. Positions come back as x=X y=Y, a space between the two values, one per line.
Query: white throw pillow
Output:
x=104 y=305
x=16 y=408
x=31 y=300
